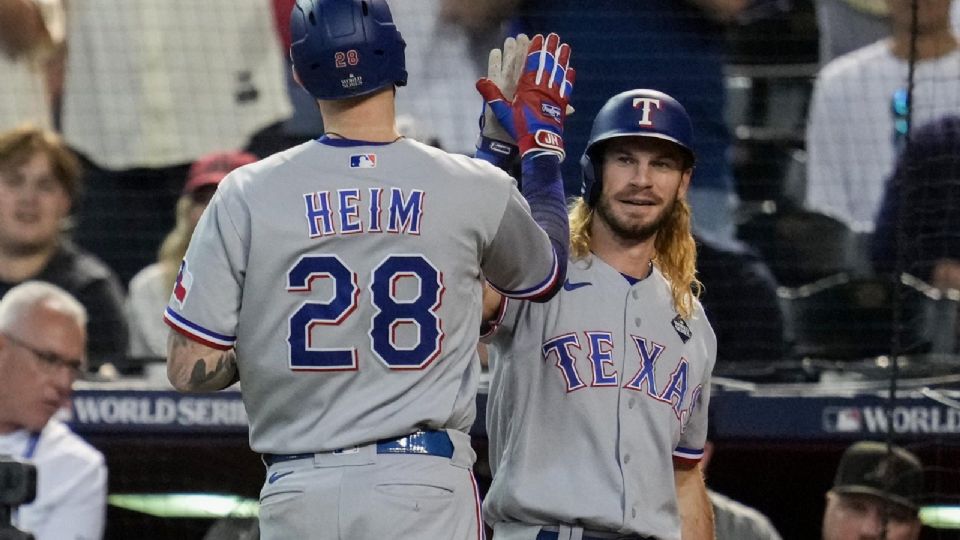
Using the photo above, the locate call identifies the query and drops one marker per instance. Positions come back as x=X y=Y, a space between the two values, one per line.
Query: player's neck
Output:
x=930 y=46
x=16 y=267
x=624 y=255
x=367 y=118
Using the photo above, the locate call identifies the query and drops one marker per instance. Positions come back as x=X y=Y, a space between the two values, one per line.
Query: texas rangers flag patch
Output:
x=363 y=161
x=182 y=287
x=682 y=329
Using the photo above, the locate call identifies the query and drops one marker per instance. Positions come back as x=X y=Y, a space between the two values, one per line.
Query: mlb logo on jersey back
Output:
x=182 y=286
x=363 y=161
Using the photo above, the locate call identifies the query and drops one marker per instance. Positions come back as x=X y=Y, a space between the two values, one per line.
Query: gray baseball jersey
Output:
x=592 y=395
x=348 y=276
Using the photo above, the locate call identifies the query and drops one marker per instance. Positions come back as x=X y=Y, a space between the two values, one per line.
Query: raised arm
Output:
x=530 y=123
x=696 y=512
x=194 y=367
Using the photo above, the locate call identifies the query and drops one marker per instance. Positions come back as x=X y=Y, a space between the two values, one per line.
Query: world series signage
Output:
x=734 y=414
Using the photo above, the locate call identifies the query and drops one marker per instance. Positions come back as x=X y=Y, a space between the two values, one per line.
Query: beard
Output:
x=632 y=229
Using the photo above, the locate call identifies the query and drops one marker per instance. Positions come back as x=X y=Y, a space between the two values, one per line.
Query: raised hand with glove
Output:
x=527 y=95
x=534 y=115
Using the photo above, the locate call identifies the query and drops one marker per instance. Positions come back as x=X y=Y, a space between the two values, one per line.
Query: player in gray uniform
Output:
x=341 y=282
x=597 y=413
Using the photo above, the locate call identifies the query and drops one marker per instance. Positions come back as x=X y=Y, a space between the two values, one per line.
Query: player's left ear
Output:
x=685 y=177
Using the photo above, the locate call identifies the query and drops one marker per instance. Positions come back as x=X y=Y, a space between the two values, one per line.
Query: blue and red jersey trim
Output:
x=544 y=288
x=691 y=455
x=196 y=332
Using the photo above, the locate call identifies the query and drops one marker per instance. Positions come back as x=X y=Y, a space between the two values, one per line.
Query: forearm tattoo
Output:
x=226 y=370
x=193 y=375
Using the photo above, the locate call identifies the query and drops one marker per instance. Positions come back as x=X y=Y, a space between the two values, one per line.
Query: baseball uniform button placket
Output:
x=428 y=443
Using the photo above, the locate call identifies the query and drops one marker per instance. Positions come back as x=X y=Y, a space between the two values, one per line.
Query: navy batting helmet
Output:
x=346 y=48
x=634 y=113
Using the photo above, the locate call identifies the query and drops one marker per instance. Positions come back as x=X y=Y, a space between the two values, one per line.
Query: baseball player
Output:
x=341 y=281
x=597 y=413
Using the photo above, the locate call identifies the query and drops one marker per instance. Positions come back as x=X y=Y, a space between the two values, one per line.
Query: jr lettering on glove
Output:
x=534 y=116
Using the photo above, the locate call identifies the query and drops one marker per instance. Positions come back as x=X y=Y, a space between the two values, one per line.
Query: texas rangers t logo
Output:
x=645 y=104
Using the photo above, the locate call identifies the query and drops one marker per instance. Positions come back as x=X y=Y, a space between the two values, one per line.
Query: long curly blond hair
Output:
x=174 y=245
x=676 y=250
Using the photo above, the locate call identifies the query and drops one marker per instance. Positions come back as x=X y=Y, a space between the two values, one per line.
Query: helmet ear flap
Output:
x=591 y=176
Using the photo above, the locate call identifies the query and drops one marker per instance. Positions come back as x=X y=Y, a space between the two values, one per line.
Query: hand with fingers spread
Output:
x=504 y=69
x=534 y=116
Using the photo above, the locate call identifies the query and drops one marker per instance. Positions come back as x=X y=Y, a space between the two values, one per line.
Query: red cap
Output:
x=210 y=169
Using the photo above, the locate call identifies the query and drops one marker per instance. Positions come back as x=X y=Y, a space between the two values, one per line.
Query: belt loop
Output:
x=566 y=532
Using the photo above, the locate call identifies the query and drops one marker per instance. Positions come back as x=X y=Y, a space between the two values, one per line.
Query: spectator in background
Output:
x=674 y=46
x=847 y=25
x=305 y=122
x=444 y=59
x=150 y=288
x=858 y=107
x=923 y=197
x=31 y=32
x=42 y=352
x=39 y=181
x=876 y=490
x=150 y=87
x=740 y=299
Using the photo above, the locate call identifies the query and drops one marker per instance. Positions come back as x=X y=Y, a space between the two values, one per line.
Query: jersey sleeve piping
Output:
x=542 y=289
x=198 y=333
x=688 y=454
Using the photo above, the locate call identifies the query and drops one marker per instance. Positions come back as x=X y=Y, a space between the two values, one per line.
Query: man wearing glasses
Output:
x=42 y=352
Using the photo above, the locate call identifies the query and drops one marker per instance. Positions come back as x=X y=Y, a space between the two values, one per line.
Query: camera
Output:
x=18 y=485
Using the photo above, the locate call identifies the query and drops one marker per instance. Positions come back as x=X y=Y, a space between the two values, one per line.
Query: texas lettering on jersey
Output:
x=597 y=351
x=374 y=210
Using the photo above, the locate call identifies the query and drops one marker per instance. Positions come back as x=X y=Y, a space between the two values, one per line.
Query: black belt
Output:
x=425 y=443
x=546 y=534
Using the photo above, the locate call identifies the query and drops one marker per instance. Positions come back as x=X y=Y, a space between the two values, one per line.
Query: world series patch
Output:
x=682 y=329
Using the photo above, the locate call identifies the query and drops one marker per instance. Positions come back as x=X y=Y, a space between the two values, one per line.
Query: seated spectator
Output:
x=39 y=181
x=31 y=36
x=740 y=299
x=42 y=352
x=923 y=198
x=875 y=490
x=150 y=288
x=857 y=121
